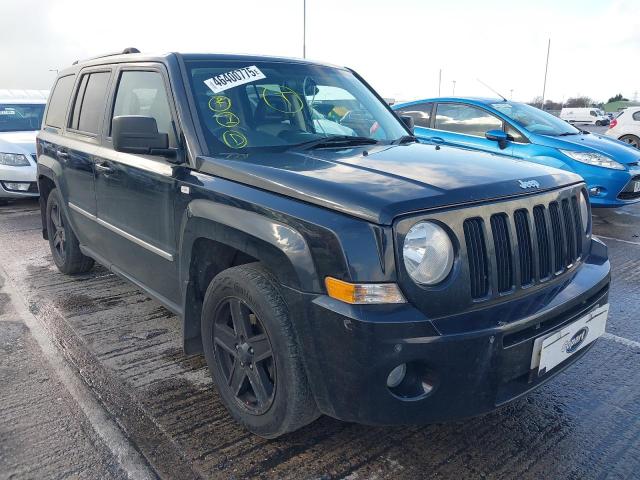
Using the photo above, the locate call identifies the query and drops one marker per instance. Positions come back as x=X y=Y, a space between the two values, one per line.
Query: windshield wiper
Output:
x=337 y=141
x=566 y=134
x=405 y=139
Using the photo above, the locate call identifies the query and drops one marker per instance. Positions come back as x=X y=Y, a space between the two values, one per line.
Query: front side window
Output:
x=534 y=120
x=144 y=93
x=20 y=117
x=272 y=106
x=59 y=100
x=420 y=112
x=514 y=134
x=465 y=119
x=593 y=114
x=88 y=107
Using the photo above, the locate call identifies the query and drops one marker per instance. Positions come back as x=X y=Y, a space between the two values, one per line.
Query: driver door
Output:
x=462 y=125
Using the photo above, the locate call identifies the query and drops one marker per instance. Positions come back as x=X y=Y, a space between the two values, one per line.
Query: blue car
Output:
x=610 y=168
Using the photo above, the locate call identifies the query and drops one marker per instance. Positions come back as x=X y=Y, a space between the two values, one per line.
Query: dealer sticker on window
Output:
x=231 y=79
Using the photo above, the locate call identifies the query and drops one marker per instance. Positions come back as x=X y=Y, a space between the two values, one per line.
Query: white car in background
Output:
x=20 y=118
x=626 y=126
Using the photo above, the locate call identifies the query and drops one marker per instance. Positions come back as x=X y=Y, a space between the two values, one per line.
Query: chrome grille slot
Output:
x=542 y=235
x=525 y=250
x=502 y=245
x=477 y=253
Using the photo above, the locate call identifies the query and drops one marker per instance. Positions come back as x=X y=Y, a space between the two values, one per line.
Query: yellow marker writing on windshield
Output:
x=234 y=139
x=219 y=103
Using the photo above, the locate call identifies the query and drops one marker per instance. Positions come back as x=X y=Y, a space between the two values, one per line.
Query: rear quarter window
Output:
x=59 y=100
x=89 y=104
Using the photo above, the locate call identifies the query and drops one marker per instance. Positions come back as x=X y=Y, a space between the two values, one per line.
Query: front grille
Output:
x=528 y=246
x=628 y=193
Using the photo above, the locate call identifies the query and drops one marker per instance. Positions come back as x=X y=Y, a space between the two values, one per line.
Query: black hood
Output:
x=390 y=180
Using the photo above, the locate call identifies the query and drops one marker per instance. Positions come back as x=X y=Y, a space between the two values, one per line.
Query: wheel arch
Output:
x=47 y=181
x=215 y=237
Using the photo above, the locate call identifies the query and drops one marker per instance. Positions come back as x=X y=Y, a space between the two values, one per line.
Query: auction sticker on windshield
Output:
x=551 y=350
x=233 y=78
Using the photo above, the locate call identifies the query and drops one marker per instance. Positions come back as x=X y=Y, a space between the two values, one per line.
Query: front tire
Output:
x=598 y=123
x=632 y=140
x=252 y=354
x=64 y=244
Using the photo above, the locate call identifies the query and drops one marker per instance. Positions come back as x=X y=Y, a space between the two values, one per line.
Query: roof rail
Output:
x=126 y=51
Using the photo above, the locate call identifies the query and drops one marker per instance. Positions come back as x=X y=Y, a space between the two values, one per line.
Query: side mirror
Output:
x=138 y=134
x=498 y=136
x=408 y=121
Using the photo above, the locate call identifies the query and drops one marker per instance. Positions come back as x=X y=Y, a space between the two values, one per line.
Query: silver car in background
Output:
x=20 y=118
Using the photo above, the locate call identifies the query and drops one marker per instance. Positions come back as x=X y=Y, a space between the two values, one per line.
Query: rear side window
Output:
x=144 y=93
x=421 y=113
x=58 y=101
x=636 y=116
x=465 y=119
x=88 y=108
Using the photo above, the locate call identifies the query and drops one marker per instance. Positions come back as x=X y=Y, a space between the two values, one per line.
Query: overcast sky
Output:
x=397 y=45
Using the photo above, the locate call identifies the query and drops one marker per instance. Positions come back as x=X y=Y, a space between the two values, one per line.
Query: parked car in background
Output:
x=626 y=127
x=20 y=118
x=362 y=275
x=592 y=116
x=610 y=168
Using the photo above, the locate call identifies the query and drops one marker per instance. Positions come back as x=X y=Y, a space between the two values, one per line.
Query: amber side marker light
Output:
x=363 y=293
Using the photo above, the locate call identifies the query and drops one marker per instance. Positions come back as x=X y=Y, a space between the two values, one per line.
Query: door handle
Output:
x=104 y=168
x=62 y=153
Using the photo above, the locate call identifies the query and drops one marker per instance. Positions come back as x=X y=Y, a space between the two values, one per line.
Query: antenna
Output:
x=494 y=91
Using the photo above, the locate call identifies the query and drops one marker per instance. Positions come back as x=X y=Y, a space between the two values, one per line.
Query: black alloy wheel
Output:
x=59 y=238
x=244 y=353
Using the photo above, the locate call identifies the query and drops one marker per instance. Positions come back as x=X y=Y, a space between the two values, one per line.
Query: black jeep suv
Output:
x=322 y=260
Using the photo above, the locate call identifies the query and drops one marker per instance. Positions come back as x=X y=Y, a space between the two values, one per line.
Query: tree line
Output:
x=574 y=102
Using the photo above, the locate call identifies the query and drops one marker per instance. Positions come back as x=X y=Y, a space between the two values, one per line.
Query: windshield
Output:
x=20 y=117
x=535 y=120
x=253 y=106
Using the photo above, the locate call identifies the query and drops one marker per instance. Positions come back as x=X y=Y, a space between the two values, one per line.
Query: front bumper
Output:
x=616 y=185
x=21 y=175
x=350 y=350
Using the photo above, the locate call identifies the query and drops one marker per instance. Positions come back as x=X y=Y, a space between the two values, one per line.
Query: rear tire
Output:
x=252 y=354
x=632 y=140
x=64 y=244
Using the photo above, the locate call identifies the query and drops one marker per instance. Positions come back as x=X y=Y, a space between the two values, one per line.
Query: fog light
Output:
x=397 y=375
x=595 y=191
x=16 y=186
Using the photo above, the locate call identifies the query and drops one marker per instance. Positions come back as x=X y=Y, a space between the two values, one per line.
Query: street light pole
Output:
x=546 y=68
x=439 y=81
x=304 y=28
x=453 y=94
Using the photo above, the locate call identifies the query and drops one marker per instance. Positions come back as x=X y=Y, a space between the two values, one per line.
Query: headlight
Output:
x=427 y=253
x=13 y=160
x=584 y=212
x=593 y=159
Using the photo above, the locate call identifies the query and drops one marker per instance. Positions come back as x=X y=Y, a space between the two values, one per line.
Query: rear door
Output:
x=464 y=125
x=75 y=152
x=135 y=193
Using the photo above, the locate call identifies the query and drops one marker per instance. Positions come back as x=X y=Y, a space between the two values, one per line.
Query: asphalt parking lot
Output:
x=126 y=350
